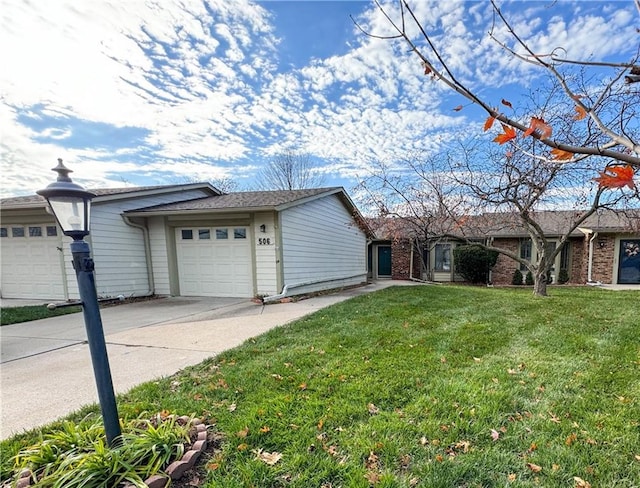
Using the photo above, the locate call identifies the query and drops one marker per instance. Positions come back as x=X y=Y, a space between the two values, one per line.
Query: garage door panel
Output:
x=217 y=266
x=32 y=267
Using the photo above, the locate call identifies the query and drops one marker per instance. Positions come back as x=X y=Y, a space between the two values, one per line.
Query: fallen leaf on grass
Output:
x=232 y=407
x=571 y=439
x=534 y=467
x=511 y=477
x=243 y=433
x=580 y=483
x=372 y=409
x=495 y=435
x=372 y=477
x=269 y=458
x=637 y=457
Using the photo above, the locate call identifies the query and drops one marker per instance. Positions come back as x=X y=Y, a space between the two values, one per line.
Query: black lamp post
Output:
x=71 y=204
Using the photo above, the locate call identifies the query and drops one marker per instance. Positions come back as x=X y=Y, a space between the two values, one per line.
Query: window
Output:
x=35 y=231
x=52 y=230
x=3 y=232
x=525 y=252
x=17 y=231
x=222 y=234
x=240 y=233
x=204 y=234
x=187 y=234
x=565 y=257
x=443 y=257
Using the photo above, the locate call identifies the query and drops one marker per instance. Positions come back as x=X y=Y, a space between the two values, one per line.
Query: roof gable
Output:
x=109 y=194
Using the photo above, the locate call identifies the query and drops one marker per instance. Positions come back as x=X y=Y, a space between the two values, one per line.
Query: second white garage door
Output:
x=214 y=261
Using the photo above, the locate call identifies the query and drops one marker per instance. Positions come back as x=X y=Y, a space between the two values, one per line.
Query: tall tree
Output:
x=600 y=97
x=581 y=127
x=290 y=171
x=475 y=192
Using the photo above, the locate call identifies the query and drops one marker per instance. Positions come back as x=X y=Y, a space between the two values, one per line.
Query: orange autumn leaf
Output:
x=507 y=103
x=508 y=134
x=581 y=113
x=616 y=177
x=560 y=155
x=489 y=123
x=540 y=127
x=458 y=108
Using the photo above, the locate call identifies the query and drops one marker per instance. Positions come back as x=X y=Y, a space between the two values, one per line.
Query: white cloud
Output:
x=202 y=83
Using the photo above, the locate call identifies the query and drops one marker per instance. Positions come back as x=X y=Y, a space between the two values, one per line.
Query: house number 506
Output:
x=264 y=241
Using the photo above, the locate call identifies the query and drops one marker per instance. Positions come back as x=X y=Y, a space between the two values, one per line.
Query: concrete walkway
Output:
x=154 y=339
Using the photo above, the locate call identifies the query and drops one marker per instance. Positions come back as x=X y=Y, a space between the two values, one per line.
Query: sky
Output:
x=152 y=92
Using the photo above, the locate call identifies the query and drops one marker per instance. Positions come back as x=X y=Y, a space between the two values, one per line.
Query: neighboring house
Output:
x=605 y=249
x=189 y=240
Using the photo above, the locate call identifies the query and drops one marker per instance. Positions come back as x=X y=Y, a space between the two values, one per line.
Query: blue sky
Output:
x=167 y=91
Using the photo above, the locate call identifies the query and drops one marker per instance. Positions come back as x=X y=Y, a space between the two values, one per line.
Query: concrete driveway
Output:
x=46 y=369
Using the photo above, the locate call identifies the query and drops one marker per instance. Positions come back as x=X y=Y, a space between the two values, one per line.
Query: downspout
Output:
x=590 y=264
x=490 y=273
x=147 y=253
x=411 y=262
x=287 y=287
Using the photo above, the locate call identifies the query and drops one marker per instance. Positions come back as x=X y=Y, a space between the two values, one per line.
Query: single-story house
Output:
x=605 y=248
x=189 y=240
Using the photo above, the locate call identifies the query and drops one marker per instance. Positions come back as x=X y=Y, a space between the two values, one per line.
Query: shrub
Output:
x=563 y=276
x=528 y=280
x=474 y=262
x=77 y=455
x=516 y=279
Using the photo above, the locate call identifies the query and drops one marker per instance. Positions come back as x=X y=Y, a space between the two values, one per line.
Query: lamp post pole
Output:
x=70 y=204
x=83 y=264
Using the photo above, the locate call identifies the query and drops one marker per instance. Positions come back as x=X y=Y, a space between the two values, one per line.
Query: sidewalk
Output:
x=39 y=389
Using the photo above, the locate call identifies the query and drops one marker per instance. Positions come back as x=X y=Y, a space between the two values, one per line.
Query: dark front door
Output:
x=384 y=260
x=629 y=270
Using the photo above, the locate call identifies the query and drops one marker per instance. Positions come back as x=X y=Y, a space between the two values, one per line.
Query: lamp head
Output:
x=69 y=203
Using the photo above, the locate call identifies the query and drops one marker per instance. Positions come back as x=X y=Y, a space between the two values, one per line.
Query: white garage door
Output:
x=214 y=261
x=31 y=262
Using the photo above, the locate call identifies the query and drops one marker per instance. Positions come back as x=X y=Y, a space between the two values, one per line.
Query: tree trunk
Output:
x=540 y=284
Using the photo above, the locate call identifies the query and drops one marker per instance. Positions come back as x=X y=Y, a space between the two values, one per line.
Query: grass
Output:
x=15 y=315
x=423 y=386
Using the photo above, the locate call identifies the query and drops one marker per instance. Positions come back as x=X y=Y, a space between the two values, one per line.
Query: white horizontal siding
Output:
x=266 y=254
x=159 y=255
x=119 y=249
x=321 y=241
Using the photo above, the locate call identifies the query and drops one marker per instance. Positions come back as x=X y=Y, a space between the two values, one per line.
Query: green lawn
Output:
x=434 y=386
x=14 y=315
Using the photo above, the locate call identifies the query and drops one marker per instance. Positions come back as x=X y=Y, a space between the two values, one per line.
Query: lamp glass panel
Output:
x=72 y=213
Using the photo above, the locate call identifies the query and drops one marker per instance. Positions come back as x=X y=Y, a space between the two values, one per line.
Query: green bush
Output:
x=516 y=279
x=528 y=280
x=474 y=262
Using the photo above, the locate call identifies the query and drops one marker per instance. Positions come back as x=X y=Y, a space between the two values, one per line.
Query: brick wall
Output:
x=401 y=258
x=603 y=254
x=502 y=273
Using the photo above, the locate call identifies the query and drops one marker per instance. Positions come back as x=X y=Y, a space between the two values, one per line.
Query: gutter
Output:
x=287 y=287
x=590 y=263
x=147 y=253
